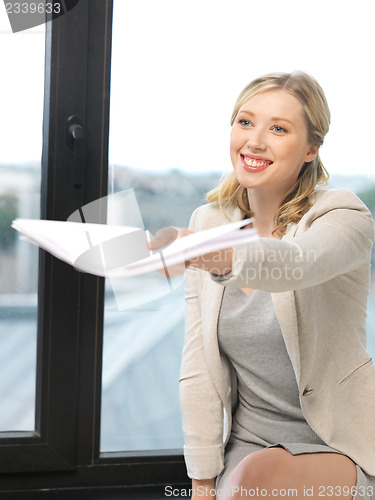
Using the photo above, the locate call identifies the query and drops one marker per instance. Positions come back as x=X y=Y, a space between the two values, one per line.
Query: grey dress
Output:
x=269 y=411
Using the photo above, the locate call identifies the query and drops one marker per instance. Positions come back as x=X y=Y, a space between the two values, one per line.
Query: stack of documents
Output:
x=122 y=251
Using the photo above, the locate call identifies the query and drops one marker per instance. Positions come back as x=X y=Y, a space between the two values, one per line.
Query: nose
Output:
x=256 y=140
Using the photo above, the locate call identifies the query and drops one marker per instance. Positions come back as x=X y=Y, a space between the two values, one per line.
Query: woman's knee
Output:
x=258 y=468
x=274 y=471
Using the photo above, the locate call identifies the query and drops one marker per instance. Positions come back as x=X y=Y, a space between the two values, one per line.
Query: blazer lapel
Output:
x=213 y=292
x=285 y=308
x=210 y=314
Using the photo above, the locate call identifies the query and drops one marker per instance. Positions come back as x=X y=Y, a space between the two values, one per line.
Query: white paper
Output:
x=101 y=249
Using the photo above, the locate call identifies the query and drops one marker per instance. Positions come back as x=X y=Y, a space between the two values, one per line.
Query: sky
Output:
x=178 y=66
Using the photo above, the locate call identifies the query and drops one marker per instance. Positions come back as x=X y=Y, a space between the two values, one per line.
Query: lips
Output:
x=254 y=163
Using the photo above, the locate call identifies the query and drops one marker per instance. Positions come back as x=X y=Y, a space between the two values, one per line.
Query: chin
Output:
x=247 y=182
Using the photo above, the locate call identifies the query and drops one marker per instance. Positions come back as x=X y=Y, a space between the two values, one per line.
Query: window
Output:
x=20 y=175
x=65 y=434
x=172 y=72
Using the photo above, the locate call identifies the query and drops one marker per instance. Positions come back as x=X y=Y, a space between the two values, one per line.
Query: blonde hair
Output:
x=297 y=201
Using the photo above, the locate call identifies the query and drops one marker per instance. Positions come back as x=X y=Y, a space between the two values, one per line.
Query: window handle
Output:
x=76 y=140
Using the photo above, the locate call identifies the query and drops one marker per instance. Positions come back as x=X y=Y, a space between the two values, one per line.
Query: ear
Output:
x=311 y=154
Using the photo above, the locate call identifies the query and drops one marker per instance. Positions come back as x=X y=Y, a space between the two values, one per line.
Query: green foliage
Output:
x=8 y=212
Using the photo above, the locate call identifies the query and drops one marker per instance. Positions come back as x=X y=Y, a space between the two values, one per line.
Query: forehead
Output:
x=274 y=103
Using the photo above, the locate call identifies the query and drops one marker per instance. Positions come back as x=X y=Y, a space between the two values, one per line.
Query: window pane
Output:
x=177 y=68
x=20 y=170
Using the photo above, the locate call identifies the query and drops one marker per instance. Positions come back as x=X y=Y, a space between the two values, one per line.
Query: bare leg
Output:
x=276 y=473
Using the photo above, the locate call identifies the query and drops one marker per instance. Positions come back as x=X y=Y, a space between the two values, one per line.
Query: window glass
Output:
x=22 y=54
x=177 y=68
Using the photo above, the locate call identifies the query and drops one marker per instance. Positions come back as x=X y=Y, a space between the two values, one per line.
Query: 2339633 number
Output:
x=338 y=491
x=52 y=7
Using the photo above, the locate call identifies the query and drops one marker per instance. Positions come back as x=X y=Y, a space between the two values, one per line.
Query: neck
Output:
x=264 y=204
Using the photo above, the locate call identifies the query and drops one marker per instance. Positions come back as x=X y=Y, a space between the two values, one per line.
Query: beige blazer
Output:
x=321 y=308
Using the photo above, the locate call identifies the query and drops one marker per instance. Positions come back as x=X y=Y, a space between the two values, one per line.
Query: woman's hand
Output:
x=167 y=235
x=203 y=489
x=163 y=238
x=218 y=262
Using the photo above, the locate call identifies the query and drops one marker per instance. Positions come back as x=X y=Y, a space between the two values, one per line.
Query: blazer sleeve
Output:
x=201 y=406
x=333 y=238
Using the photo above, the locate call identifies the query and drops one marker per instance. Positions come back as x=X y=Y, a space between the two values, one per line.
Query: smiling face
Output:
x=269 y=141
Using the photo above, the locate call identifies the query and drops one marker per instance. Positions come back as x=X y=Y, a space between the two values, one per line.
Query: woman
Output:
x=276 y=330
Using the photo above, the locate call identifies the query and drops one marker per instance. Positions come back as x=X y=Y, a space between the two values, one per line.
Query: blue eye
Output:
x=277 y=128
x=246 y=123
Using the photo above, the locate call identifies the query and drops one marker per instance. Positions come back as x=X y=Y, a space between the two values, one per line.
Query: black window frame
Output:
x=64 y=451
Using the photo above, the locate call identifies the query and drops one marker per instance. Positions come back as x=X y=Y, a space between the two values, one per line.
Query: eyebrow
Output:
x=274 y=118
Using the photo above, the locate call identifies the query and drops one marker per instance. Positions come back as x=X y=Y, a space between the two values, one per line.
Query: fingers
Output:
x=166 y=236
x=163 y=237
x=182 y=231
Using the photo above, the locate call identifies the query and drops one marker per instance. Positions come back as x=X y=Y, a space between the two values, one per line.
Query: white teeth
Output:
x=254 y=163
